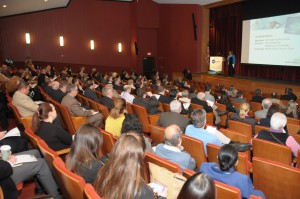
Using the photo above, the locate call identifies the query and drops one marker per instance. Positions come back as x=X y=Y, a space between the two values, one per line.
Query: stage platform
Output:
x=246 y=84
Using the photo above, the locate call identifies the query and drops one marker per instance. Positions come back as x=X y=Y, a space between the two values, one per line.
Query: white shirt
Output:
x=126 y=96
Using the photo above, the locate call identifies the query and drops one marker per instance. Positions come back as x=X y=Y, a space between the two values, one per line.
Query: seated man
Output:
x=239 y=98
x=59 y=94
x=15 y=175
x=22 y=101
x=108 y=94
x=90 y=90
x=266 y=103
x=289 y=95
x=258 y=96
x=173 y=117
x=75 y=108
x=147 y=100
x=126 y=94
x=171 y=150
x=201 y=101
x=170 y=98
x=210 y=135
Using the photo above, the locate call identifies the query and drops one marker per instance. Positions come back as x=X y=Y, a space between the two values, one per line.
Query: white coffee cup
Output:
x=5 y=152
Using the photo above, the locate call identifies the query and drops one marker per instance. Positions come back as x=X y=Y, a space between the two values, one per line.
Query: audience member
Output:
x=123 y=174
x=266 y=103
x=126 y=94
x=210 y=135
x=292 y=110
x=199 y=186
x=107 y=100
x=75 y=108
x=184 y=97
x=239 y=98
x=173 y=117
x=113 y=123
x=116 y=84
x=201 y=101
x=232 y=92
x=147 y=100
x=225 y=100
x=84 y=157
x=90 y=90
x=22 y=101
x=243 y=116
x=132 y=123
x=75 y=81
x=289 y=95
x=38 y=169
x=54 y=135
x=225 y=173
x=266 y=121
x=59 y=94
x=172 y=149
x=277 y=133
x=258 y=96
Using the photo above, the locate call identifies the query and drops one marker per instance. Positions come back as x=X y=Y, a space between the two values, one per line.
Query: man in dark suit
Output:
x=173 y=117
x=90 y=90
x=107 y=100
x=147 y=100
x=168 y=99
x=201 y=101
x=116 y=85
x=257 y=98
x=59 y=94
x=75 y=108
x=239 y=98
x=161 y=92
x=289 y=95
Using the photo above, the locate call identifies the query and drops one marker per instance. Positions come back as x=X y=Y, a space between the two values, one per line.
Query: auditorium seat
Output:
x=157 y=134
x=195 y=148
x=108 y=142
x=293 y=128
x=242 y=128
x=255 y=106
x=90 y=192
x=276 y=180
x=154 y=118
x=166 y=107
x=142 y=114
x=33 y=138
x=235 y=136
x=271 y=151
x=258 y=128
x=71 y=185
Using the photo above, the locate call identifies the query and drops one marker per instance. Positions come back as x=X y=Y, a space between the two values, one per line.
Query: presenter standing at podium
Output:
x=231 y=62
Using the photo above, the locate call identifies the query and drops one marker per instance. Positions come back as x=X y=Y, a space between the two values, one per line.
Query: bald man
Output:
x=266 y=103
x=172 y=149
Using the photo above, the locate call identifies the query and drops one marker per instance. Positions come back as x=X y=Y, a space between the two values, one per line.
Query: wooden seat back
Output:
x=276 y=180
x=90 y=192
x=166 y=107
x=15 y=112
x=195 y=148
x=241 y=127
x=212 y=156
x=155 y=159
x=108 y=142
x=271 y=151
x=129 y=108
x=293 y=121
x=154 y=118
x=255 y=106
x=33 y=138
x=157 y=134
x=258 y=128
x=235 y=136
x=293 y=128
x=103 y=109
x=142 y=114
x=71 y=184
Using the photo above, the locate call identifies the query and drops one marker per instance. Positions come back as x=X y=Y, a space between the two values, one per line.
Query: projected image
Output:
x=272 y=40
x=292 y=26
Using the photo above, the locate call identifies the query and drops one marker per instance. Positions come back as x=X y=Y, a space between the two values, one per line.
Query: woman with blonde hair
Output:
x=292 y=109
x=113 y=123
x=123 y=174
x=84 y=157
x=243 y=116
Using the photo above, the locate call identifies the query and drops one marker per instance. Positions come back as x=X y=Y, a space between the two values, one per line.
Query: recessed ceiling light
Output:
x=4 y=6
x=45 y=0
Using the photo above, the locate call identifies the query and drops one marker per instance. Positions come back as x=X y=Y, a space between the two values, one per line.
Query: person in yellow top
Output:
x=113 y=123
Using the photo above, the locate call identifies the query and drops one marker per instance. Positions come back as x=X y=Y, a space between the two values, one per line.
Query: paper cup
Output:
x=5 y=152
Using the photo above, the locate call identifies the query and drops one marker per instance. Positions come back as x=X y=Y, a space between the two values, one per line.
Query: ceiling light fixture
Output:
x=4 y=6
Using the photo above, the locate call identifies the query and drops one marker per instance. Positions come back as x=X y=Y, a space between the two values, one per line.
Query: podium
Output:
x=216 y=63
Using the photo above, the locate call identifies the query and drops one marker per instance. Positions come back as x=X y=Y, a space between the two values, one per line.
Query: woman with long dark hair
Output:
x=225 y=173
x=53 y=134
x=84 y=157
x=123 y=174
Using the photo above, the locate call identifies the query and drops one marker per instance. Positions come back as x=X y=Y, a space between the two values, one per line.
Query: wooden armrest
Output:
x=27 y=121
x=78 y=121
x=63 y=151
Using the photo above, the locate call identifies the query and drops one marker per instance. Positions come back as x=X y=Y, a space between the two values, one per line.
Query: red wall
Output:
x=164 y=30
x=177 y=47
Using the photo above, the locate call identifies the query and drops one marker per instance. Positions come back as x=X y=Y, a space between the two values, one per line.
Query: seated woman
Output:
x=200 y=186
x=224 y=172
x=243 y=116
x=123 y=174
x=54 y=135
x=292 y=110
x=277 y=133
x=113 y=123
x=225 y=100
x=84 y=155
x=132 y=123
